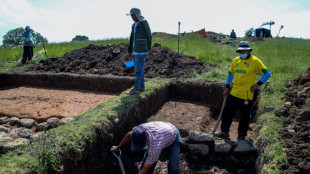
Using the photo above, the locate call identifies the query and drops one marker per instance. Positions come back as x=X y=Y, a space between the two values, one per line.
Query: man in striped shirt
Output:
x=154 y=137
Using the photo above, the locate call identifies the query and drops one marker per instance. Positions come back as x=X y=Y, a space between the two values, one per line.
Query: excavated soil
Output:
x=189 y=116
x=160 y=62
x=297 y=125
x=194 y=116
x=43 y=103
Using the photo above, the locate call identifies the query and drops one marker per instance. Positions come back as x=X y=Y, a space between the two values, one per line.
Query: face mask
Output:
x=243 y=56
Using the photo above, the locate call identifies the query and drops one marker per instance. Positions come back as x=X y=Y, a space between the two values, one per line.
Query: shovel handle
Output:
x=219 y=118
x=120 y=161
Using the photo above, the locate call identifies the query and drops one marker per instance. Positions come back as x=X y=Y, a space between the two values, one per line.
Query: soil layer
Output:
x=110 y=59
x=43 y=103
x=297 y=125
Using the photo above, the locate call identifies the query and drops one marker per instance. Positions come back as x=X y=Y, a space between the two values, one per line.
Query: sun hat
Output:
x=243 y=45
x=137 y=12
x=138 y=139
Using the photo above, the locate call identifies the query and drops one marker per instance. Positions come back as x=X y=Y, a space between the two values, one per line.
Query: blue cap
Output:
x=138 y=139
x=27 y=28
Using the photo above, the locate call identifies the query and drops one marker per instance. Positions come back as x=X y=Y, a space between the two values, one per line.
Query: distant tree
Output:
x=249 y=32
x=79 y=38
x=268 y=23
x=14 y=37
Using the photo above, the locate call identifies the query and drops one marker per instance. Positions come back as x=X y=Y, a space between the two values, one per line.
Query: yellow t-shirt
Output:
x=245 y=71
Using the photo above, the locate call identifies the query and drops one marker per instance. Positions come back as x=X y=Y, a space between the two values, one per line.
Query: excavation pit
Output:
x=191 y=106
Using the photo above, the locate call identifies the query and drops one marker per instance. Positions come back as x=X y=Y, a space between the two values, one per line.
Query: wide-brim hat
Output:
x=137 y=12
x=243 y=45
x=138 y=139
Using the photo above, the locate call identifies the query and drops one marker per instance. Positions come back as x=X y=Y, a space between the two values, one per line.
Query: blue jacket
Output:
x=27 y=39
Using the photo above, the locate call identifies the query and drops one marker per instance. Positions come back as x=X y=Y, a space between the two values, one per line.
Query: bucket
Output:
x=129 y=64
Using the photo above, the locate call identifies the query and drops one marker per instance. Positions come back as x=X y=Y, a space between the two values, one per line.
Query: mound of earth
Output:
x=297 y=125
x=160 y=62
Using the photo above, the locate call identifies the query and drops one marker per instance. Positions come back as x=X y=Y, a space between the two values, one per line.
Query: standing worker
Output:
x=243 y=71
x=28 y=45
x=139 y=47
x=154 y=137
x=233 y=37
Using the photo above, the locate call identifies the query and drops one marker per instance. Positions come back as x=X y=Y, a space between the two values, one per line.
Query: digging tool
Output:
x=219 y=118
x=265 y=86
x=120 y=161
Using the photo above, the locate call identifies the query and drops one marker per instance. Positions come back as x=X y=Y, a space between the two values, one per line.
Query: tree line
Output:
x=14 y=37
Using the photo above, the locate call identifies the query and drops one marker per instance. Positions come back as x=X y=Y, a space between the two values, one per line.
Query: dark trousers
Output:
x=173 y=152
x=28 y=53
x=231 y=106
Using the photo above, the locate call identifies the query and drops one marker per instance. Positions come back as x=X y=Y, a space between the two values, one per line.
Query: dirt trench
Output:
x=188 y=105
x=101 y=69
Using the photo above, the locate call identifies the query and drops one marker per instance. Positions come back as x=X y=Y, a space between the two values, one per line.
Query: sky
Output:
x=62 y=20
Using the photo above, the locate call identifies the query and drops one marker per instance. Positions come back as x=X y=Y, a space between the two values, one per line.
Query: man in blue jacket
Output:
x=139 y=47
x=28 y=45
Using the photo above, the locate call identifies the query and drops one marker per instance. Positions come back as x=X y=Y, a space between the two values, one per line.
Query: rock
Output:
x=201 y=149
x=35 y=136
x=282 y=112
x=4 y=120
x=64 y=121
x=15 y=133
x=42 y=127
x=4 y=129
x=26 y=133
x=28 y=123
x=222 y=146
x=4 y=140
x=287 y=104
x=244 y=146
x=53 y=122
x=200 y=136
x=15 y=144
x=13 y=121
x=304 y=115
x=3 y=134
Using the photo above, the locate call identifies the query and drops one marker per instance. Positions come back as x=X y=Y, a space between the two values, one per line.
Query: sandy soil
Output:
x=43 y=103
x=194 y=116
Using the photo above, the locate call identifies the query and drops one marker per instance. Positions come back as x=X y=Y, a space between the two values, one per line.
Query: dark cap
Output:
x=243 y=45
x=138 y=138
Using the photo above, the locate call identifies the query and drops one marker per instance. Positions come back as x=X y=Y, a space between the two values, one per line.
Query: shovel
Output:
x=120 y=161
x=219 y=118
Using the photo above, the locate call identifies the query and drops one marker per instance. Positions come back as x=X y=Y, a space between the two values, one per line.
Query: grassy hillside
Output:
x=284 y=57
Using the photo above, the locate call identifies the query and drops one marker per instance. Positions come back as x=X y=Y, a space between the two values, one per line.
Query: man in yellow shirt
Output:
x=242 y=72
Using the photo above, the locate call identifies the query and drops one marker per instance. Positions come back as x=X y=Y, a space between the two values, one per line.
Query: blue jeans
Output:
x=173 y=152
x=232 y=42
x=139 y=71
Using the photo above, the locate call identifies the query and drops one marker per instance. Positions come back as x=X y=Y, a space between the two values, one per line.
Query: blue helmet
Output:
x=27 y=28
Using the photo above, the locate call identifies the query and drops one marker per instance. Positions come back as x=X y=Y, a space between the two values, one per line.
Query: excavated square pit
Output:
x=187 y=105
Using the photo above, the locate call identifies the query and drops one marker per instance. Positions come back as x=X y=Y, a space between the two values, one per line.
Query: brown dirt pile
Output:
x=160 y=62
x=297 y=125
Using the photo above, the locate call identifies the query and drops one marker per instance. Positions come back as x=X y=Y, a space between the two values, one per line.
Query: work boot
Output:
x=142 y=89
x=240 y=137
x=133 y=92
x=222 y=135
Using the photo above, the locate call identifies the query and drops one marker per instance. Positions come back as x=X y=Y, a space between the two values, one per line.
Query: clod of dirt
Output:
x=110 y=59
x=297 y=125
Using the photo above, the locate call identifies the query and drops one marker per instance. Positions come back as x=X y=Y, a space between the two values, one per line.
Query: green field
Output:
x=284 y=57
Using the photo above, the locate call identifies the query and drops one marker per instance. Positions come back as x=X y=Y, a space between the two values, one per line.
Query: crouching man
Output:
x=153 y=137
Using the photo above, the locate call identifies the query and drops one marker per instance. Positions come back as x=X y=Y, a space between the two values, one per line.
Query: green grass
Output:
x=44 y=156
x=284 y=57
